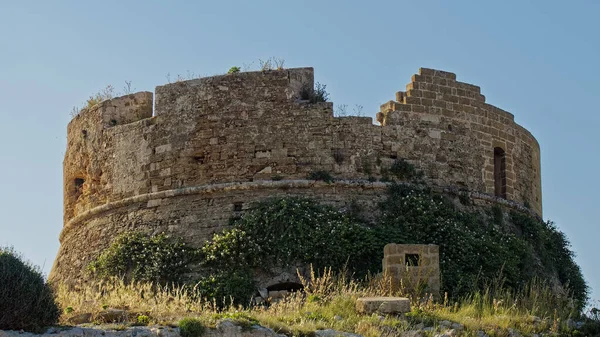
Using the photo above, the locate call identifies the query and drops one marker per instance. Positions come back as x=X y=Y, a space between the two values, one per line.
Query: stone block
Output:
x=163 y=148
x=383 y=305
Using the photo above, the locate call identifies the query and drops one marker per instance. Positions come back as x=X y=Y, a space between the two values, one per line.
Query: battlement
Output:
x=226 y=91
x=117 y=111
x=171 y=169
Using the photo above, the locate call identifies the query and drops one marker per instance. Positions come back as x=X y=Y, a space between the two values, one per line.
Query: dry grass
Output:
x=328 y=303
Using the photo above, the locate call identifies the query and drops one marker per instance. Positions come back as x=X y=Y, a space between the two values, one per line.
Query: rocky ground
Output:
x=228 y=328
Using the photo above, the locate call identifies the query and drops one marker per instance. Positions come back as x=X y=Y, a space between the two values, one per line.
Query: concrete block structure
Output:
x=190 y=156
x=412 y=265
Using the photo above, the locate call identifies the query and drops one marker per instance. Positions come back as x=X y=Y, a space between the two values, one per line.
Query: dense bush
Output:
x=475 y=250
x=552 y=248
x=404 y=170
x=225 y=287
x=191 y=327
x=135 y=256
x=285 y=231
x=26 y=301
x=321 y=175
x=472 y=251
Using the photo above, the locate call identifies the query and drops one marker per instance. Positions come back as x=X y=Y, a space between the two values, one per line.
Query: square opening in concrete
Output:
x=411 y=260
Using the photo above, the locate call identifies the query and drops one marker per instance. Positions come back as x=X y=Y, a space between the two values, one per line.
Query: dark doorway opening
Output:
x=499 y=172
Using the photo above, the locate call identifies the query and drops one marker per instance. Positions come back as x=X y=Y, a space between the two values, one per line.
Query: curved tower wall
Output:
x=215 y=145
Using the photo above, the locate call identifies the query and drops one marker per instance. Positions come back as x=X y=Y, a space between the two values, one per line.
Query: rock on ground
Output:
x=384 y=305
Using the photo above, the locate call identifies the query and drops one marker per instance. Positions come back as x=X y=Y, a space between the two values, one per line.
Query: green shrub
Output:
x=284 y=231
x=553 y=249
x=227 y=286
x=476 y=251
x=320 y=94
x=281 y=233
x=314 y=95
x=472 y=252
x=234 y=70
x=26 y=301
x=191 y=327
x=404 y=170
x=320 y=175
x=312 y=298
x=143 y=320
x=136 y=256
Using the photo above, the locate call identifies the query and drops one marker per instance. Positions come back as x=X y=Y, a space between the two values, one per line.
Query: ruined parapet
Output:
x=83 y=170
x=412 y=265
x=502 y=157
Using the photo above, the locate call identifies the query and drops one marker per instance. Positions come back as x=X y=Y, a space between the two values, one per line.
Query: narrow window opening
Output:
x=500 y=172
x=79 y=183
x=238 y=206
x=411 y=260
x=77 y=188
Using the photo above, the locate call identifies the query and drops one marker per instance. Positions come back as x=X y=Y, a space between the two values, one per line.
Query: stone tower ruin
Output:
x=202 y=151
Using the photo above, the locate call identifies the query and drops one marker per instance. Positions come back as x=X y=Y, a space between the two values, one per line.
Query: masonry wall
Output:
x=448 y=129
x=216 y=142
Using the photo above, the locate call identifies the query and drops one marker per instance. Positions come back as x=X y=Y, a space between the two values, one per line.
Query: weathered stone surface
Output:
x=215 y=142
x=112 y=315
x=224 y=328
x=81 y=319
x=447 y=333
x=227 y=328
x=334 y=333
x=99 y=332
x=384 y=305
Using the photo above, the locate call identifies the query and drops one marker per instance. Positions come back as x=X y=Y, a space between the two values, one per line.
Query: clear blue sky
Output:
x=536 y=59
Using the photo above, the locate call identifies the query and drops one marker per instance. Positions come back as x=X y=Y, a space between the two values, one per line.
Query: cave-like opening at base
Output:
x=289 y=286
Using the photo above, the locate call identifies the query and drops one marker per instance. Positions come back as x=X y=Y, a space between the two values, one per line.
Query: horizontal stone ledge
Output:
x=265 y=184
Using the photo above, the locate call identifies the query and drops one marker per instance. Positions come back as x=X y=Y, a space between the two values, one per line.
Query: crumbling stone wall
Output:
x=413 y=264
x=214 y=145
x=461 y=132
